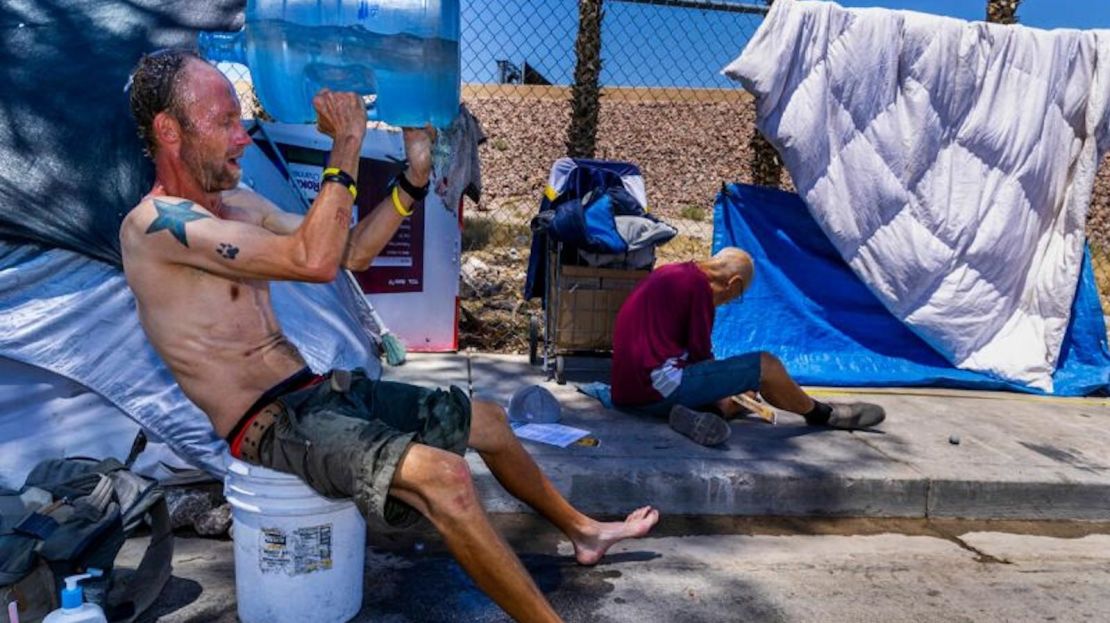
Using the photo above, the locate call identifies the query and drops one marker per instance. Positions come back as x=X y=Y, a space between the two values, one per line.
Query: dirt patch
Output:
x=493 y=315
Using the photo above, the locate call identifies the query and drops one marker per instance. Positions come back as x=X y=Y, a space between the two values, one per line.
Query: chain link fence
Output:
x=651 y=67
x=663 y=105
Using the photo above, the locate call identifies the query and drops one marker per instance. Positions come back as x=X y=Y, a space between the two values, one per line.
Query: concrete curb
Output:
x=1034 y=459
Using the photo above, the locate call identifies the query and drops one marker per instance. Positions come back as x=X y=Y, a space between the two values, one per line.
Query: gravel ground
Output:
x=685 y=149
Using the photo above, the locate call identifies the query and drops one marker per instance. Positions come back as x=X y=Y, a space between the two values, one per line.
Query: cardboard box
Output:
x=588 y=302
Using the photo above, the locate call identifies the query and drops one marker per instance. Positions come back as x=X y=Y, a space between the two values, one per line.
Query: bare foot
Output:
x=589 y=548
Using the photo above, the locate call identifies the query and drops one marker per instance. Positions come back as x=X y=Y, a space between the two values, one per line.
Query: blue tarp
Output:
x=808 y=307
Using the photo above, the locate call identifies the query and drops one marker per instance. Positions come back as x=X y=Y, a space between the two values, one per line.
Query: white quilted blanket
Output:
x=951 y=163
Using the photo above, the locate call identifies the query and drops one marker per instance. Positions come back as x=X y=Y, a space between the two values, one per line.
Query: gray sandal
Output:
x=707 y=429
x=855 y=415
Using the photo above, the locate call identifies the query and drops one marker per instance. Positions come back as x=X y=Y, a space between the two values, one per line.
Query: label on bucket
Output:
x=296 y=552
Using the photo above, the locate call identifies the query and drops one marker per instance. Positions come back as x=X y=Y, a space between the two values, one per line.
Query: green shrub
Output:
x=692 y=212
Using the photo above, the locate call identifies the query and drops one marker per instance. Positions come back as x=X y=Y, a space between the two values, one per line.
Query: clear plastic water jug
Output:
x=403 y=55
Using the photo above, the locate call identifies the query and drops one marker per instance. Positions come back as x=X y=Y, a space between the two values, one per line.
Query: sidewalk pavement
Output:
x=1017 y=457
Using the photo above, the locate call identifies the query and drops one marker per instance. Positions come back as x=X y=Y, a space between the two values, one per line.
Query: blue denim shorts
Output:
x=706 y=382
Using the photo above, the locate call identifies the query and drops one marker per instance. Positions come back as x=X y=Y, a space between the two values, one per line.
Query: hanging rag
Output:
x=464 y=171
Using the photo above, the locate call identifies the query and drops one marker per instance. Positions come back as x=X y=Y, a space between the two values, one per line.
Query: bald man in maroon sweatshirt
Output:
x=663 y=362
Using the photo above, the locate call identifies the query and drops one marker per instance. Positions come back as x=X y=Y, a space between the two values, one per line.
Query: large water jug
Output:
x=403 y=55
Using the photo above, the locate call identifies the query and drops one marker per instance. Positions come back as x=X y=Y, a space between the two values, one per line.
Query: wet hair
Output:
x=154 y=87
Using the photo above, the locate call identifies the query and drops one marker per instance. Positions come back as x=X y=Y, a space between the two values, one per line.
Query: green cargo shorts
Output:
x=347 y=444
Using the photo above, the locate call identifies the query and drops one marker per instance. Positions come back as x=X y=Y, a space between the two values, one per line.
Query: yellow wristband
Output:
x=397 y=204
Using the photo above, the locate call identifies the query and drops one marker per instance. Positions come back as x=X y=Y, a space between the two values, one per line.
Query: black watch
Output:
x=416 y=192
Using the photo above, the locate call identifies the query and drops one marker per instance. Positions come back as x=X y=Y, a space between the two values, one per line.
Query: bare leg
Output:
x=779 y=389
x=515 y=469
x=730 y=409
x=439 y=485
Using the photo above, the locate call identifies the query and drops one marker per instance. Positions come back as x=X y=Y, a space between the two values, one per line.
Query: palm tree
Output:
x=766 y=166
x=586 y=92
x=1002 y=11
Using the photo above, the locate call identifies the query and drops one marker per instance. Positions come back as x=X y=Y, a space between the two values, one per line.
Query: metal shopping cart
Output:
x=583 y=263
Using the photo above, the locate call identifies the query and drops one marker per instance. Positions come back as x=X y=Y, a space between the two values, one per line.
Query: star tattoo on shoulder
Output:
x=172 y=217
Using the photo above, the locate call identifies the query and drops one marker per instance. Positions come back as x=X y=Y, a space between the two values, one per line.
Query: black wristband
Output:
x=339 y=176
x=416 y=192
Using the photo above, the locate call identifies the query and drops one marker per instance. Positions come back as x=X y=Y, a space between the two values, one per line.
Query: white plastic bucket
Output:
x=298 y=556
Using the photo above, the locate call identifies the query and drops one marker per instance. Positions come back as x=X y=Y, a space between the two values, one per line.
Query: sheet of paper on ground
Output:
x=553 y=434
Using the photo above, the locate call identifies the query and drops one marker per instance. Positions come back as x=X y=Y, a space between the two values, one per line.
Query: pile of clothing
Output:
x=597 y=209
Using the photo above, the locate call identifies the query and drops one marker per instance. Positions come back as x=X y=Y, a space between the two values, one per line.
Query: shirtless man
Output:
x=199 y=255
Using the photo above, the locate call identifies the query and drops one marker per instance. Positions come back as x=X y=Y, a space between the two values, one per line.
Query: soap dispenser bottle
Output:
x=74 y=609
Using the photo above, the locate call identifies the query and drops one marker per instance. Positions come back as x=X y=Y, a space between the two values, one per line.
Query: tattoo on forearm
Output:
x=228 y=251
x=343 y=216
x=173 y=217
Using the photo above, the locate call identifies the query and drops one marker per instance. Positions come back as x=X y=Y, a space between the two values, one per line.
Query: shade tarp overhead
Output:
x=71 y=164
x=808 y=307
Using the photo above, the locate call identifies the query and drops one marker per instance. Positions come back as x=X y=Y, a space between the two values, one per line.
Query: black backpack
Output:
x=75 y=514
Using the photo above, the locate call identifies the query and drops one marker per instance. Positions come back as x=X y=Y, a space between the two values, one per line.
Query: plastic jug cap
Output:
x=72 y=595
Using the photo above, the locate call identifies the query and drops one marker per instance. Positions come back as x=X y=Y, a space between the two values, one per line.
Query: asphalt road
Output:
x=694 y=570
